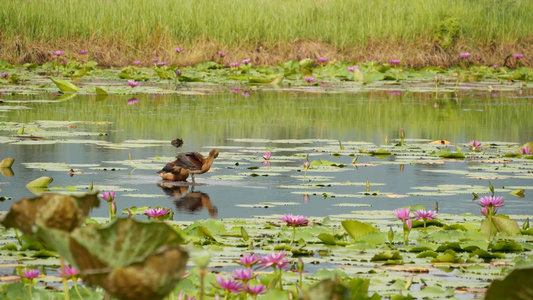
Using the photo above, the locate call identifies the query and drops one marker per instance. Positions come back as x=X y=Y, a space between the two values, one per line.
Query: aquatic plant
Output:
x=294 y=221
x=424 y=215
x=255 y=290
x=525 y=150
x=132 y=83
x=229 y=285
x=267 y=155
x=475 y=144
x=249 y=260
x=403 y=214
x=30 y=274
x=277 y=261
x=109 y=197
x=137 y=62
x=156 y=213
x=518 y=57
x=71 y=273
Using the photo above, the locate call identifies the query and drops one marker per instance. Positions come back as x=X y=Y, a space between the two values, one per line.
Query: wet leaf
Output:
x=55 y=211
x=518 y=285
x=6 y=163
x=357 y=229
x=64 y=85
x=41 y=182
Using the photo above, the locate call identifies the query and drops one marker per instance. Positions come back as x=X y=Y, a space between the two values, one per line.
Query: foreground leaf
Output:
x=64 y=85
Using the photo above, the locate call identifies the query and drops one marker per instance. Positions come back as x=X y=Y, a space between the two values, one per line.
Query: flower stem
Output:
x=76 y=288
x=202 y=276
x=64 y=276
x=17 y=236
x=293 y=234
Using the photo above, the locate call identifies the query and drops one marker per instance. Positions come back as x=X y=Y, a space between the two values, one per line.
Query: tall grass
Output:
x=342 y=24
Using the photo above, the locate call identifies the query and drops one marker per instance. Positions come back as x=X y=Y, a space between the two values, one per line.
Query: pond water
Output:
x=95 y=137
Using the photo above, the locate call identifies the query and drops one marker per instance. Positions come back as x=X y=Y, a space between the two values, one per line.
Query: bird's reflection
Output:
x=191 y=202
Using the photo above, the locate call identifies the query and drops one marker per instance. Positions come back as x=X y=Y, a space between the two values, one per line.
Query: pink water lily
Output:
x=294 y=220
x=267 y=155
x=69 y=271
x=230 y=285
x=518 y=56
x=309 y=79
x=491 y=201
x=137 y=62
x=525 y=151
x=108 y=196
x=322 y=59
x=256 y=289
x=156 y=212
x=275 y=260
x=425 y=215
x=248 y=260
x=132 y=83
x=247 y=61
x=465 y=55
x=243 y=274
x=133 y=101
x=235 y=64
x=4 y=75
x=30 y=273
x=402 y=213
x=475 y=144
x=83 y=51
x=178 y=49
x=394 y=61
x=221 y=54
x=58 y=53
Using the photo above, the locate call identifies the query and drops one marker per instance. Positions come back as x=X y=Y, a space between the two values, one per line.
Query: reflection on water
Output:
x=191 y=202
x=275 y=120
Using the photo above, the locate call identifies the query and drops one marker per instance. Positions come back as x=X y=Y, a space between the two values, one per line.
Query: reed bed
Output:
x=119 y=31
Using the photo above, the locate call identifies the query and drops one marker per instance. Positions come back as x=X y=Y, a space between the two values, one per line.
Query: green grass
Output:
x=137 y=25
x=341 y=22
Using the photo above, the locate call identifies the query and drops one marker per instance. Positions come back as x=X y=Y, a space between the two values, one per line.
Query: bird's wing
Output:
x=190 y=160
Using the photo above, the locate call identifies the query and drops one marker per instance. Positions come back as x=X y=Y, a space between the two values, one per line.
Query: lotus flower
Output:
x=248 y=260
x=247 y=61
x=475 y=144
x=243 y=274
x=108 y=196
x=267 y=155
x=221 y=54
x=425 y=215
x=156 y=212
x=293 y=220
x=69 y=271
x=491 y=201
x=394 y=61
x=256 y=289
x=83 y=51
x=4 y=75
x=178 y=72
x=309 y=79
x=402 y=213
x=230 y=285
x=495 y=67
x=137 y=62
x=155 y=60
x=518 y=56
x=161 y=64
x=132 y=83
x=58 y=53
x=322 y=59
x=30 y=273
x=525 y=151
x=178 y=49
x=465 y=55
x=235 y=64
x=275 y=260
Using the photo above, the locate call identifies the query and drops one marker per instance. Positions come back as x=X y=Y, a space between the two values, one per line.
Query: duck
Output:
x=187 y=163
x=194 y=162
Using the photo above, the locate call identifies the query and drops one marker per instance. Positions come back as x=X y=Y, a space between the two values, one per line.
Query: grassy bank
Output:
x=116 y=32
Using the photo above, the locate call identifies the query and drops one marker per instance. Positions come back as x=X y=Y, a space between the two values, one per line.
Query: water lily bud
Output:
x=391 y=235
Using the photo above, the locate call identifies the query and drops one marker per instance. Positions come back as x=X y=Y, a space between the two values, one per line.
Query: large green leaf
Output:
x=6 y=163
x=56 y=211
x=129 y=259
x=64 y=85
x=518 y=285
x=500 y=224
x=357 y=229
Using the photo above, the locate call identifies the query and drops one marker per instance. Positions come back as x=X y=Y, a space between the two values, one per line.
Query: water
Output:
x=289 y=123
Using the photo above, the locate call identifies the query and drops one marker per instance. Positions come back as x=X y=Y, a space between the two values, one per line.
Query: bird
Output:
x=194 y=162
x=187 y=163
